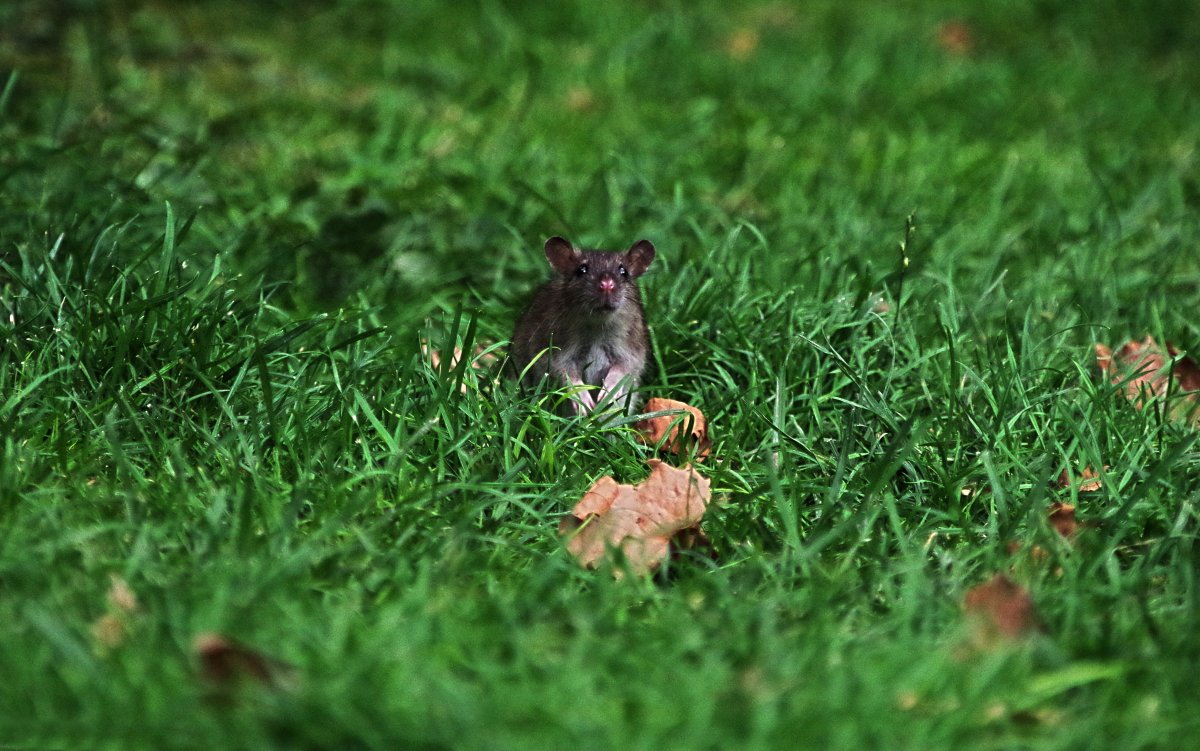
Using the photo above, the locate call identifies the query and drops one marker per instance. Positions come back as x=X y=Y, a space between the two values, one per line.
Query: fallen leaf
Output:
x=654 y=429
x=481 y=358
x=225 y=664
x=999 y=610
x=1147 y=370
x=1062 y=518
x=956 y=38
x=639 y=520
x=1088 y=481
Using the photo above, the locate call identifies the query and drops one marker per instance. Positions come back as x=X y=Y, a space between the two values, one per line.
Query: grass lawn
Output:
x=889 y=236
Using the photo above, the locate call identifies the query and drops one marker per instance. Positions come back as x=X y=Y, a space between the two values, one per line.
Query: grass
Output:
x=227 y=228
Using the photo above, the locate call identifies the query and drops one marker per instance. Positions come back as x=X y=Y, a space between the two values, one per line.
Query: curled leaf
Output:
x=673 y=427
x=639 y=520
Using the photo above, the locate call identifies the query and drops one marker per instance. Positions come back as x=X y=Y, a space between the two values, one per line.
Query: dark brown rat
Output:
x=586 y=326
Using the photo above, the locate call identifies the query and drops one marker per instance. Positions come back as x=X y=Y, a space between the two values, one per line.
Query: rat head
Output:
x=600 y=280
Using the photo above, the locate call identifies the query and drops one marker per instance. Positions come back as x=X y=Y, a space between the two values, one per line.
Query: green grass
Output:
x=226 y=228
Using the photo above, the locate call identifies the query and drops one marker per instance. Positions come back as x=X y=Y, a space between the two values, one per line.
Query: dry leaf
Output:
x=224 y=664
x=1147 y=371
x=956 y=38
x=999 y=609
x=480 y=358
x=1089 y=480
x=1062 y=518
x=653 y=429
x=640 y=520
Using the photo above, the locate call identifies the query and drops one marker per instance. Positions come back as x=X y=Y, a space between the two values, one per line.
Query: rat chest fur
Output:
x=592 y=349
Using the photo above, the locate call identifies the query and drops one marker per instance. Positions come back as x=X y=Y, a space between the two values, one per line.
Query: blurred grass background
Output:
x=225 y=227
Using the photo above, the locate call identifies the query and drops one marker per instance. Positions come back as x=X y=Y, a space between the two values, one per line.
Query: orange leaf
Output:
x=653 y=429
x=1000 y=609
x=639 y=520
x=1147 y=370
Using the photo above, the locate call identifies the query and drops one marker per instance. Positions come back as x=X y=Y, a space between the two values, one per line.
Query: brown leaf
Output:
x=1089 y=480
x=956 y=38
x=640 y=520
x=653 y=429
x=224 y=664
x=481 y=359
x=1062 y=518
x=1147 y=371
x=999 y=609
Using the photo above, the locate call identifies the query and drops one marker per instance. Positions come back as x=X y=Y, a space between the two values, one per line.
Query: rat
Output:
x=586 y=326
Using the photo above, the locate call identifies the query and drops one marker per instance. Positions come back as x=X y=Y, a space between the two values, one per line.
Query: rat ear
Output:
x=562 y=255
x=639 y=257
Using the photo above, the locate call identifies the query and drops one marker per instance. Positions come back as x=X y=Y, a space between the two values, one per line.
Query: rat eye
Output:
x=582 y=270
x=623 y=271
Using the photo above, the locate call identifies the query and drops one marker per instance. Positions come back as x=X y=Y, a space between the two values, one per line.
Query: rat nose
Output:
x=607 y=284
